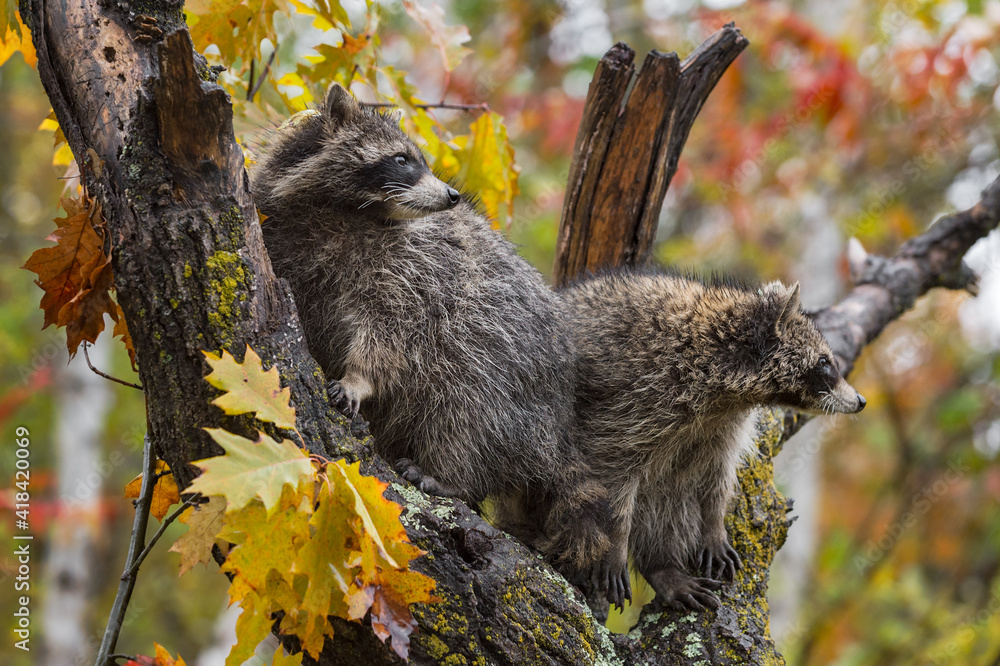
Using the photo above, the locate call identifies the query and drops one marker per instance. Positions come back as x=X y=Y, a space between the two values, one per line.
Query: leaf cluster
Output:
x=306 y=538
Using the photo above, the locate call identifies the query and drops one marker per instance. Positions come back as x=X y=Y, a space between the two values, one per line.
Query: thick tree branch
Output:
x=888 y=287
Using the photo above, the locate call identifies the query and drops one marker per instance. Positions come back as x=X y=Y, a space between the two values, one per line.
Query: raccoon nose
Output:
x=453 y=196
x=861 y=403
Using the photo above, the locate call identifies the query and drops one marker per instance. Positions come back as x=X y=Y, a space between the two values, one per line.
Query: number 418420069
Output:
x=22 y=475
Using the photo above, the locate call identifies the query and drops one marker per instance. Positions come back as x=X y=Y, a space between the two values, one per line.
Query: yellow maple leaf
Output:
x=251 y=469
x=291 y=660
x=328 y=559
x=253 y=624
x=266 y=542
x=350 y=474
x=248 y=388
x=165 y=493
x=488 y=167
x=385 y=585
x=326 y=14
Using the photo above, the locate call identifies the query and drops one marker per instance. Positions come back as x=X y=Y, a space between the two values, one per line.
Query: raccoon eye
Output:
x=400 y=160
x=826 y=366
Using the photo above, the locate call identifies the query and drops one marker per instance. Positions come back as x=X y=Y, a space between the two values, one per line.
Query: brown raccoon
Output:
x=672 y=371
x=427 y=319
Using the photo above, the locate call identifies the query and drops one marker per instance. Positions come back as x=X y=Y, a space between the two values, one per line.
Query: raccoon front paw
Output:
x=682 y=592
x=409 y=470
x=344 y=398
x=723 y=557
x=412 y=472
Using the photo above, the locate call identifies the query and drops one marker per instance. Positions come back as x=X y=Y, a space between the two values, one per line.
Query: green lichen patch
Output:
x=228 y=288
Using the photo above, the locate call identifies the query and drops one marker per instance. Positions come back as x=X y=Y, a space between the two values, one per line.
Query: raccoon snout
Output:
x=861 y=403
x=453 y=196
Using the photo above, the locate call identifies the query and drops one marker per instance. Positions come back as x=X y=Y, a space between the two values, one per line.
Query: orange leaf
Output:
x=59 y=268
x=75 y=274
x=165 y=492
x=162 y=658
x=83 y=316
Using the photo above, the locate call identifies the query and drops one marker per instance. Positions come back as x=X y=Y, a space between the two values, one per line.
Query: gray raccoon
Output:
x=420 y=311
x=672 y=373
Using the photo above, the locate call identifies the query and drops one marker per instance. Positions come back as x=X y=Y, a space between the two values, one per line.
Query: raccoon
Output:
x=672 y=374
x=426 y=318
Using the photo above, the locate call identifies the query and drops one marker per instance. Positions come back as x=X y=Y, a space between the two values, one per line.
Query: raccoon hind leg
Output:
x=582 y=542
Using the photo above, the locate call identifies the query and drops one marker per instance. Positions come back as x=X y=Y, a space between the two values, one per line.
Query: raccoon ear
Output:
x=341 y=107
x=789 y=309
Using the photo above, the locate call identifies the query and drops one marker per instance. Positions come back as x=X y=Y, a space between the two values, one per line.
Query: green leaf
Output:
x=249 y=389
x=251 y=469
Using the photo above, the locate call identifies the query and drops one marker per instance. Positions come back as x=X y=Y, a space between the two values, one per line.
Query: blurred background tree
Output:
x=843 y=119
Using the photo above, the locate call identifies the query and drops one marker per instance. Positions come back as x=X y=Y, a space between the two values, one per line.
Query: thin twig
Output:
x=156 y=537
x=253 y=64
x=135 y=544
x=121 y=656
x=105 y=375
x=441 y=105
x=263 y=75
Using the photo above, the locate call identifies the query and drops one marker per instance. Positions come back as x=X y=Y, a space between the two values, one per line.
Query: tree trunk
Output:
x=192 y=274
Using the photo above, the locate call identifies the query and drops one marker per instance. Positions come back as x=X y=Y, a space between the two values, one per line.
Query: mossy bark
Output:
x=155 y=136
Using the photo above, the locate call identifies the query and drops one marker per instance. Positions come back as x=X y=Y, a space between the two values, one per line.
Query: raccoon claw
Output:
x=696 y=594
x=624 y=589
x=616 y=587
x=682 y=592
x=724 y=557
x=344 y=400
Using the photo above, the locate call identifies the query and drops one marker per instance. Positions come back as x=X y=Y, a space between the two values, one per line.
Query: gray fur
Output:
x=424 y=316
x=672 y=374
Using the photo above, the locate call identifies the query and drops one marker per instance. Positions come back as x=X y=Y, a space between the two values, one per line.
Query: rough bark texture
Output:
x=192 y=274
